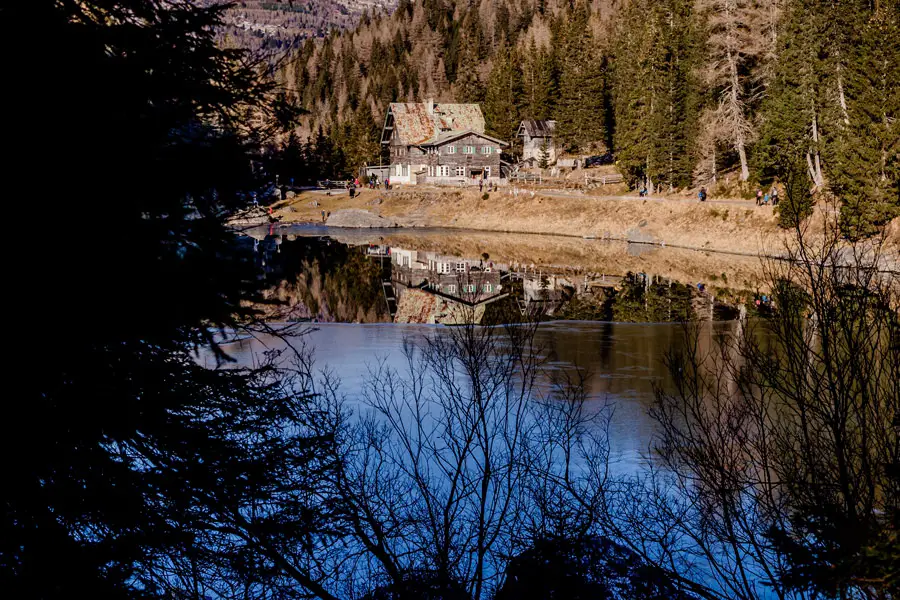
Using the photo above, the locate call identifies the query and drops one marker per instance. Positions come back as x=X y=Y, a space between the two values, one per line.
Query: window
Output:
x=460 y=171
x=451 y=288
x=460 y=267
x=451 y=149
x=486 y=149
x=488 y=288
x=487 y=171
x=405 y=170
x=470 y=288
x=469 y=150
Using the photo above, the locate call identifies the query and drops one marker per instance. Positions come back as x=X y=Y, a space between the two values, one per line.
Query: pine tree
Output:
x=504 y=90
x=580 y=113
x=539 y=83
x=468 y=86
x=544 y=156
x=655 y=96
x=865 y=169
x=362 y=146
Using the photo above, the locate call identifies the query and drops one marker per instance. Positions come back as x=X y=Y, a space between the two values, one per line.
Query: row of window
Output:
x=470 y=288
x=469 y=149
x=445 y=171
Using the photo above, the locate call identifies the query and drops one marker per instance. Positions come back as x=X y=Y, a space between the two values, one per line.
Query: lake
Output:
x=624 y=362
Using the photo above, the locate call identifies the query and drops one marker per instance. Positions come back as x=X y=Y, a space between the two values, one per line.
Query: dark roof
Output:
x=537 y=128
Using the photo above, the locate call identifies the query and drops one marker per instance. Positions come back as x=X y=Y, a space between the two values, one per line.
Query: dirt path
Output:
x=665 y=199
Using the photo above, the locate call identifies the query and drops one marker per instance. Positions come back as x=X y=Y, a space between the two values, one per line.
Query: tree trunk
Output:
x=841 y=98
x=815 y=163
x=737 y=109
x=739 y=141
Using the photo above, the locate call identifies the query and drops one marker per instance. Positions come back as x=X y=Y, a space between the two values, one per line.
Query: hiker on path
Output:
x=323 y=215
x=759 y=196
x=702 y=194
x=774 y=195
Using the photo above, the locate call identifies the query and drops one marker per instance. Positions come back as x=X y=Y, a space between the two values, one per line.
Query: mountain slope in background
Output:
x=275 y=25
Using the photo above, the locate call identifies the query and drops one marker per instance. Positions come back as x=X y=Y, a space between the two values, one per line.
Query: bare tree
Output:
x=775 y=472
x=732 y=44
x=434 y=479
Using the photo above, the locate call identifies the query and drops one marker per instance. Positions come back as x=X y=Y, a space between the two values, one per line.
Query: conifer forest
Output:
x=264 y=345
x=681 y=91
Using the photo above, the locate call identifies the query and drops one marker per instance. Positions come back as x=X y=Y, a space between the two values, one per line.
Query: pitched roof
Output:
x=417 y=122
x=537 y=128
x=447 y=136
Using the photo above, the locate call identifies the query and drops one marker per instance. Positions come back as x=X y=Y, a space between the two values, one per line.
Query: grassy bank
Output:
x=726 y=225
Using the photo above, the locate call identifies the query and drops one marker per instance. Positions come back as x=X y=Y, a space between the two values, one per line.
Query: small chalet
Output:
x=537 y=138
x=440 y=143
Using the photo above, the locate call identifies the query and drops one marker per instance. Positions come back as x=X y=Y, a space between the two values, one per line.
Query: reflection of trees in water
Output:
x=309 y=278
x=770 y=476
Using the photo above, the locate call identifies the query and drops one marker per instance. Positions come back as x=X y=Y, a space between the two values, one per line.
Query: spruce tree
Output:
x=544 y=156
x=631 y=96
x=362 y=146
x=655 y=95
x=539 y=83
x=504 y=89
x=123 y=440
x=580 y=112
x=865 y=168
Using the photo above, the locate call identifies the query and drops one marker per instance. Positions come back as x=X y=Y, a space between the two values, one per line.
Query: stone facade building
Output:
x=439 y=143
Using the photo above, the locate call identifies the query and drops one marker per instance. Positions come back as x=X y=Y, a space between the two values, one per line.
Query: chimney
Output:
x=429 y=105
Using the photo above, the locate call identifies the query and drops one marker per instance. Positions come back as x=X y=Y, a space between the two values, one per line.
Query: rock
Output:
x=290 y=195
x=357 y=217
x=636 y=235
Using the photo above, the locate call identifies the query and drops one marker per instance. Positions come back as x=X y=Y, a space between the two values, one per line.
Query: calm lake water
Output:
x=624 y=362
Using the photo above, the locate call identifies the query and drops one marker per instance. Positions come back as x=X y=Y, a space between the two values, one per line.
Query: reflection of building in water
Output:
x=434 y=287
x=467 y=280
x=543 y=294
x=377 y=250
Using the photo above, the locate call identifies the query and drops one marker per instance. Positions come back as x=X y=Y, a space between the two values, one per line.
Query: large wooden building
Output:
x=439 y=143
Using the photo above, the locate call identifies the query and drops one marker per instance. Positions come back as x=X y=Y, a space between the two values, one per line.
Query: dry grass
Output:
x=727 y=226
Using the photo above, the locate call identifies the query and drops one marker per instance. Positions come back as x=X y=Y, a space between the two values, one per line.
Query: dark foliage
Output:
x=131 y=136
x=585 y=569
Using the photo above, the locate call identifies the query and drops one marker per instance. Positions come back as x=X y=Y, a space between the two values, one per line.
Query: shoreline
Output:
x=734 y=227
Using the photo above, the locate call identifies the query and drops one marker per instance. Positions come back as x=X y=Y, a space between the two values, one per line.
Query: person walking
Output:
x=774 y=195
x=702 y=194
x=759 y=195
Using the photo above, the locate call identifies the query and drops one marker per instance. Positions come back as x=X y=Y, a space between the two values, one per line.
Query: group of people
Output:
x=764 y=199
x=374 y=183
x=491 y=186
